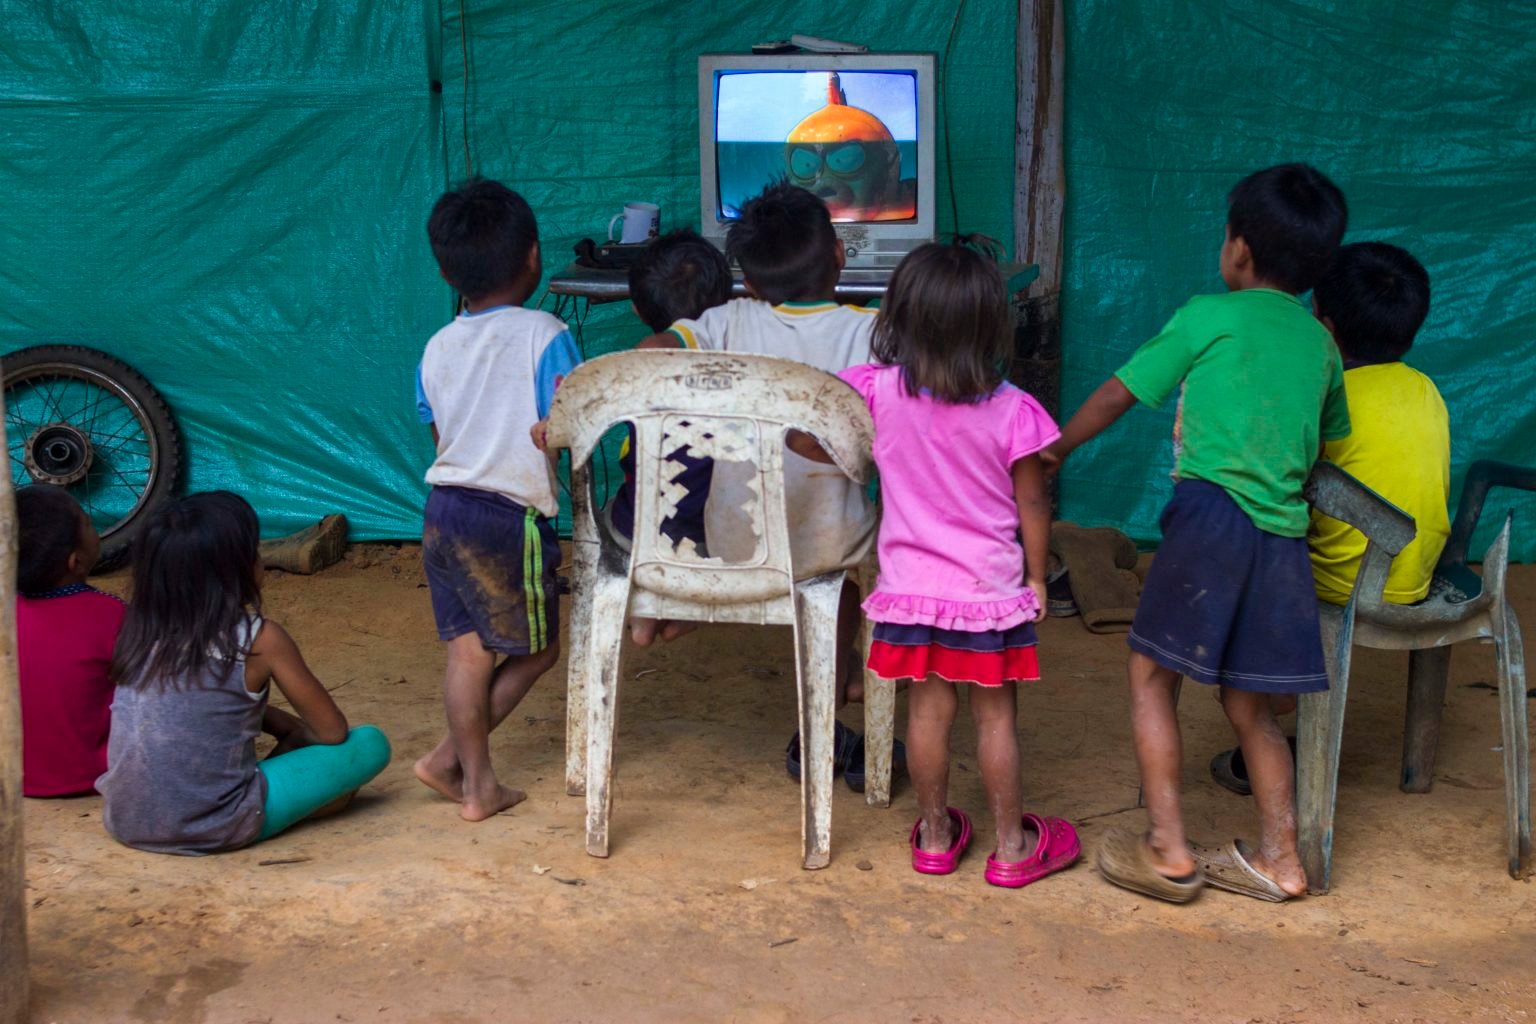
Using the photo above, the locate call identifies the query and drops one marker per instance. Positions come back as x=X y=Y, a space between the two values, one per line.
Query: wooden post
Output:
x=13 y=884
x=1039 y=196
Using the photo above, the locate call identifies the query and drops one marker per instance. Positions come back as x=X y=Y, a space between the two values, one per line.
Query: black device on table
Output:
x=608 y=255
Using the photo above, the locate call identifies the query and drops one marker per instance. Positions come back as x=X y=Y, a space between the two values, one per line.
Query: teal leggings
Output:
x=302 y=781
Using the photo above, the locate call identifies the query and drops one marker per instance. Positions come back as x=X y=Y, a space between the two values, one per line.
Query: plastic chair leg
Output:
x=585 y=548
x=1428 y=672
x=816 y=604
x=578 y=666
x=1319 y=735
x=879 y=738
x=879 y=708
x=1517 y=752
x=610 y=601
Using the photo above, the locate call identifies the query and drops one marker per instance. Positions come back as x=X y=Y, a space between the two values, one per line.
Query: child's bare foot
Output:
x=644 y=632
x=1284 y=870
x=501 y=799
x=936 y=836
x=674 y=628
x=446 y=779
x=336 y=806
x=1170 y=862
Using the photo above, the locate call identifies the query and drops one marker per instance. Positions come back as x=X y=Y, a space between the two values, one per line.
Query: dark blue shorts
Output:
x=1227 y=603
x=491 y=565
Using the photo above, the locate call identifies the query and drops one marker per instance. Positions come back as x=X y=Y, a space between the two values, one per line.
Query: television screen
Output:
x=850 y=137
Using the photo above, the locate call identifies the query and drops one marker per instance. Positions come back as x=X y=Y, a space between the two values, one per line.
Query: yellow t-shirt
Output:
x=1400 y=448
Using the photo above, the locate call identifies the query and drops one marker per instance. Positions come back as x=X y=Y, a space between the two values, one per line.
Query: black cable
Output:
x=469 y=166
x=949 y=159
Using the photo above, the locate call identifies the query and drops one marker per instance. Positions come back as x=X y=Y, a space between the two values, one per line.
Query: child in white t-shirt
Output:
x=791 y=259
x=488 y=540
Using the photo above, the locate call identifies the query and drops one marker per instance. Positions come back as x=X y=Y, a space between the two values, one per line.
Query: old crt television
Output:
x=855 y=129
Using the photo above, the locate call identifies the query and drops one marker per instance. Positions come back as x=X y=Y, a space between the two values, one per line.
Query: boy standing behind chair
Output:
x=1229 y=599
x=791 y=259
x=488 y=544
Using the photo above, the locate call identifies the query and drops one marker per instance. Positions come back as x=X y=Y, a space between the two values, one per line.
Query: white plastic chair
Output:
x=729 y=408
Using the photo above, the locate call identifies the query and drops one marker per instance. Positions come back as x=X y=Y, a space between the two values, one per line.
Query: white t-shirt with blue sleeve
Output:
x=484 y=381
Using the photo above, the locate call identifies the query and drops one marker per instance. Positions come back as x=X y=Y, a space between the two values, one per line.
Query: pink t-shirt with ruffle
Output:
x=950 y=555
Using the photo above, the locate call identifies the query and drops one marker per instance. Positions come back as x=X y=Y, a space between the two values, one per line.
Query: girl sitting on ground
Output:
x=194 y=665
x=958 y=595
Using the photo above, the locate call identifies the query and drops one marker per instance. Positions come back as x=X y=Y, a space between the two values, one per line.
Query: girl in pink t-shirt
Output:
x=960 y=483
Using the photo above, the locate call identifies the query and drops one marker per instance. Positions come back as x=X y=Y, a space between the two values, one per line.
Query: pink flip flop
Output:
x=926 y=863
x=1057 y=848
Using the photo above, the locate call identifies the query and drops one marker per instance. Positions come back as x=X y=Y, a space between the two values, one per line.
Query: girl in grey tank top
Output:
x=182 y=773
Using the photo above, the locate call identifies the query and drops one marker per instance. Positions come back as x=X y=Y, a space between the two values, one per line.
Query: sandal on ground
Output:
x=1056 y=847
x=1231 y=772
x=845 y=744
x=855 y=774
x=1227 y=867
x=925 y=863
x=1126 y=860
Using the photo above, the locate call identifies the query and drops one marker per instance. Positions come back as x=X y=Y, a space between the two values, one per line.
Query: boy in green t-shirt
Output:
x=1229 y=598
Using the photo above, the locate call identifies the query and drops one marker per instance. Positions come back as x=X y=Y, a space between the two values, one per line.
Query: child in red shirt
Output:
x=65 y=631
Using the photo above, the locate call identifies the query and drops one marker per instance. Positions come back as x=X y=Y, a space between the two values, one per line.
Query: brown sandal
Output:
x=1125 y=860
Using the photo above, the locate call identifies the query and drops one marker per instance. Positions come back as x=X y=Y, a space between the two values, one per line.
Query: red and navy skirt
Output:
x=988 y=658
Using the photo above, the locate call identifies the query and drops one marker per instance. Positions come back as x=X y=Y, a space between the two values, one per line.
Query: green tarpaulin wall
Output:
x=231 y=196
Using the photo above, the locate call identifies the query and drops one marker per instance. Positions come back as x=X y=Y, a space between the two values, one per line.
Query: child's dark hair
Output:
x=677 y=277
x=1292 y=218
x=481 y=233
x=783 y=242
x=945 y=321
x=194 y=581
x=48 y=532
x=1377 y=297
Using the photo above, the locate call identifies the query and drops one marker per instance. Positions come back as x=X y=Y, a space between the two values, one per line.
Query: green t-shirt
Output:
x=1263 y=386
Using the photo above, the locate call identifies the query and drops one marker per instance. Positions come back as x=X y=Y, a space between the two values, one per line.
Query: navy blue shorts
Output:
x=1227 y=603
x=491 y=569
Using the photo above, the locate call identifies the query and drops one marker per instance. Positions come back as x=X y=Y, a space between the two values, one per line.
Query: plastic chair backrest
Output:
x=726 y=407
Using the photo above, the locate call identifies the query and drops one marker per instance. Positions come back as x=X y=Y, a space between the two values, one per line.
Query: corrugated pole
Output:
x=1039 y=196
x=13 y=883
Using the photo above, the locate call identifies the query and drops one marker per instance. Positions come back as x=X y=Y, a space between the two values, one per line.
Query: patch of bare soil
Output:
x=399 y=912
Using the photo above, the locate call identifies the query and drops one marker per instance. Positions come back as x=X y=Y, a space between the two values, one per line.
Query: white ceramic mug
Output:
x=642 y=222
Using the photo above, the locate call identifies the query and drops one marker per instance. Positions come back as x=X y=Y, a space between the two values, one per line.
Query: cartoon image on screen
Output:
x=849 y=137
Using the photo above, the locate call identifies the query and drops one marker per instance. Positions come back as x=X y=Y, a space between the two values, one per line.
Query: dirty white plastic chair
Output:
x=728 y=408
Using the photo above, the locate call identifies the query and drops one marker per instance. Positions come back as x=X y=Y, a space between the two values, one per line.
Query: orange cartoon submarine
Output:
x=846 y=155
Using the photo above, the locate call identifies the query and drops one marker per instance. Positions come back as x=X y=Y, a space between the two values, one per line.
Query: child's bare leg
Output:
x=467 y=695
x=930 y=716
x=996 y=711
x=1272 y=774
x=1159 y=751
x=513 y=679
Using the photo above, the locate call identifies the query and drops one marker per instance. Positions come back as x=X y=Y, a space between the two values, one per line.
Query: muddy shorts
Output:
x=1227 y=603
x=490 y=566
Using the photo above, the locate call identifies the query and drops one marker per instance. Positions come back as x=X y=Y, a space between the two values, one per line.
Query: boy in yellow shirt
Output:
x=1373 y=300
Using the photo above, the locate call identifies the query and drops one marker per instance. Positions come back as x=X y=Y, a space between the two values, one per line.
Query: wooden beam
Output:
x=1040 y=195
x=13 y=883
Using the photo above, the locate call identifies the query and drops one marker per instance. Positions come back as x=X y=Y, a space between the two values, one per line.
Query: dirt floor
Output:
x=399 y=912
